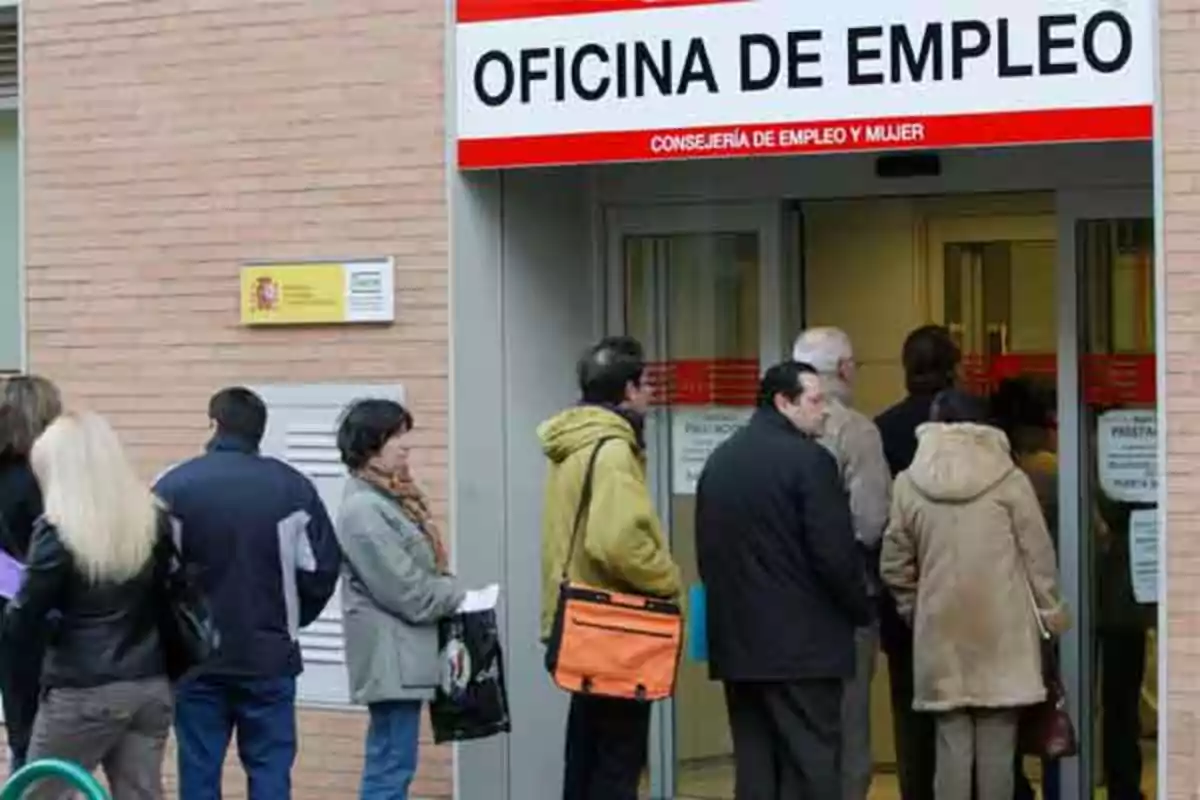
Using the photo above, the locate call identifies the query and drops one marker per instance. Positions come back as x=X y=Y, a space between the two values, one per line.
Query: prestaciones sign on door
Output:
x=589 y=81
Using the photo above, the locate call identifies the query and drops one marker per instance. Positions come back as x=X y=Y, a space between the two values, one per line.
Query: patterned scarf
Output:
x=415 y=504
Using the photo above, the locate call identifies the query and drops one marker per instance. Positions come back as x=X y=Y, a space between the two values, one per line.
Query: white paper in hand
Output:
x=480 y=599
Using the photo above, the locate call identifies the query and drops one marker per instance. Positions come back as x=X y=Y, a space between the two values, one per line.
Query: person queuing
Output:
x=622 y=548
x=786 y=590
x=396 y=586
x=971 y=565
x=855 y=443
x=1025 y=411
x=92 y=577
x=268 y=559
x=28 y=404
x=931 y=362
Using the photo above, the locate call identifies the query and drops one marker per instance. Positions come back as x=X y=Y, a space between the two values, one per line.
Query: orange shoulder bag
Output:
x=608 y=643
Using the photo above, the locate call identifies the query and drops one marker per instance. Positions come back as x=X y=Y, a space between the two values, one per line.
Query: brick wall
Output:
x=1180 y=21
x=168 y=142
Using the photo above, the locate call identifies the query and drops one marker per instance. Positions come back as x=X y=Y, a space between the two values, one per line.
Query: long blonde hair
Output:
x=105 y=515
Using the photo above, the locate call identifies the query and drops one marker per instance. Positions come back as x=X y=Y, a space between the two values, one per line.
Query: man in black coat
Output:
x=785 y=590
x=931 y=360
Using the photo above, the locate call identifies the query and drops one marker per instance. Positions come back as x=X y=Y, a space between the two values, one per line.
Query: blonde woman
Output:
x=91 y=579
x=28 y=404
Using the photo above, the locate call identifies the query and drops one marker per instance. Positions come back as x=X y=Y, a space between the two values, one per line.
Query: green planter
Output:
x=73 y=774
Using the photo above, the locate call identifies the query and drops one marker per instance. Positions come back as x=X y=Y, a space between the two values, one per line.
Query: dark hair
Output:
x=784 y=379
x=955 y=405
x=365 y=427
x=1023 y=402
x=608 y=367
x=28 y=404
x=930 y=358
x=239 y=412
x=1024 y=409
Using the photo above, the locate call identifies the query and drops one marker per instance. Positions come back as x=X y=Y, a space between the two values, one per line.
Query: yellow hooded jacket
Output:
x=621 y=545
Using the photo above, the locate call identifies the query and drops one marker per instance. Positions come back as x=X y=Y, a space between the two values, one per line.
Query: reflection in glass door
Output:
x=1118 y=515
x=697 y=287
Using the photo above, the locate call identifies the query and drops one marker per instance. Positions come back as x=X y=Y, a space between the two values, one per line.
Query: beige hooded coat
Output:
x=966 y=546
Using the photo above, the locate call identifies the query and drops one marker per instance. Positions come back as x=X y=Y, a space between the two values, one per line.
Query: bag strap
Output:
x=585 y=503
x=1023 y=569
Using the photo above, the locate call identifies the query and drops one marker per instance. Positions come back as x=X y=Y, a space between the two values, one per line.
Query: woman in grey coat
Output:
x=395 y=588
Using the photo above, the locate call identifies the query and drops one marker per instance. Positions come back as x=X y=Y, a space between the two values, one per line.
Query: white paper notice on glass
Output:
x=695 y=434
x=1127 y=449
x=1143 y=554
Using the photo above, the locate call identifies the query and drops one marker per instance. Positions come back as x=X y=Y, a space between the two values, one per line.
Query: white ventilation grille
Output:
x=302 y=430
x=311 y=447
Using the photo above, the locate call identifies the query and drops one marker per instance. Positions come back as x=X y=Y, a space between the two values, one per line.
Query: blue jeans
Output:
x=263 y=711
x=390 y=763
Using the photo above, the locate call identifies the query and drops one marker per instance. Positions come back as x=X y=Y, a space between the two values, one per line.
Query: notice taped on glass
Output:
x=1127 y=450
x=695 y=433
x=1143 y=554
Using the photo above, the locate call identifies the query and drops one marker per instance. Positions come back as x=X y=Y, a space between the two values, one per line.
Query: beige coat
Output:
x=965 y=547
x=857 y=447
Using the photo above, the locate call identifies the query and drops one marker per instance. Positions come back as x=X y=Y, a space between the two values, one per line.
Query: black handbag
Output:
x=186 y=628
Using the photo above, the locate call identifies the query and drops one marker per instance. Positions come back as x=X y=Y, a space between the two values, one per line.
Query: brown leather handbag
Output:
x=1045 y=730
x=608 y=643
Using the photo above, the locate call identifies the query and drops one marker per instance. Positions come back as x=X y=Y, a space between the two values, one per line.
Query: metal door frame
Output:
x=766 y=219
x=1072 y=208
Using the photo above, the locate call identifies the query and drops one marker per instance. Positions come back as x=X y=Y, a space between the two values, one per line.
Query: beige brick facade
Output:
x=169 y=142
x=1180 y=23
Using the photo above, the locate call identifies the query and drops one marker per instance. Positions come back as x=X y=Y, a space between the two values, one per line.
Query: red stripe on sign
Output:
x=496 y=10
x=1126 y=123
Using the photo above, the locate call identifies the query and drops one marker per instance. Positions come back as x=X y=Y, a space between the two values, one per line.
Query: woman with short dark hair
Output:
x=395 y=587
x=28 y=404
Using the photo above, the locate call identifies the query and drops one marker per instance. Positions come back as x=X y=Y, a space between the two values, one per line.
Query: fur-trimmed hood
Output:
x=956 y=463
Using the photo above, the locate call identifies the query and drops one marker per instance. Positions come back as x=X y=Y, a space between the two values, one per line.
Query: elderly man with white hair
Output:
x=858 y=448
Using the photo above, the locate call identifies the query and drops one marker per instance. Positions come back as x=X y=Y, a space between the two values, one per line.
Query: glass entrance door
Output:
x=992 y=280
x=1117 y=537
x=699 y=286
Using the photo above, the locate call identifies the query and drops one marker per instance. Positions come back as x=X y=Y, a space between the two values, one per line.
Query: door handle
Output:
x=997 y=335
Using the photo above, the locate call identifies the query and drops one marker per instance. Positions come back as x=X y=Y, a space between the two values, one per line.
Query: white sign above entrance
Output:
x=551 y=81
x=695 y=434
x=1127 y=448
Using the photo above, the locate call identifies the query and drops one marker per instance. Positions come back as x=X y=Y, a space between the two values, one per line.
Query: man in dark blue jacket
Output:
x=261 y=540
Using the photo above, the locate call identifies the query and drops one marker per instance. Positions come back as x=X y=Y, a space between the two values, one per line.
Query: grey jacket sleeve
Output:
x=866 y=477
x=380 y=556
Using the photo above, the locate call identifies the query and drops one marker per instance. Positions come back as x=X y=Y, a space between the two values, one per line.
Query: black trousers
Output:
x=20 y=691
x=916 y=745
x=1122 y=669
x=606 y=748
x=787 y=739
